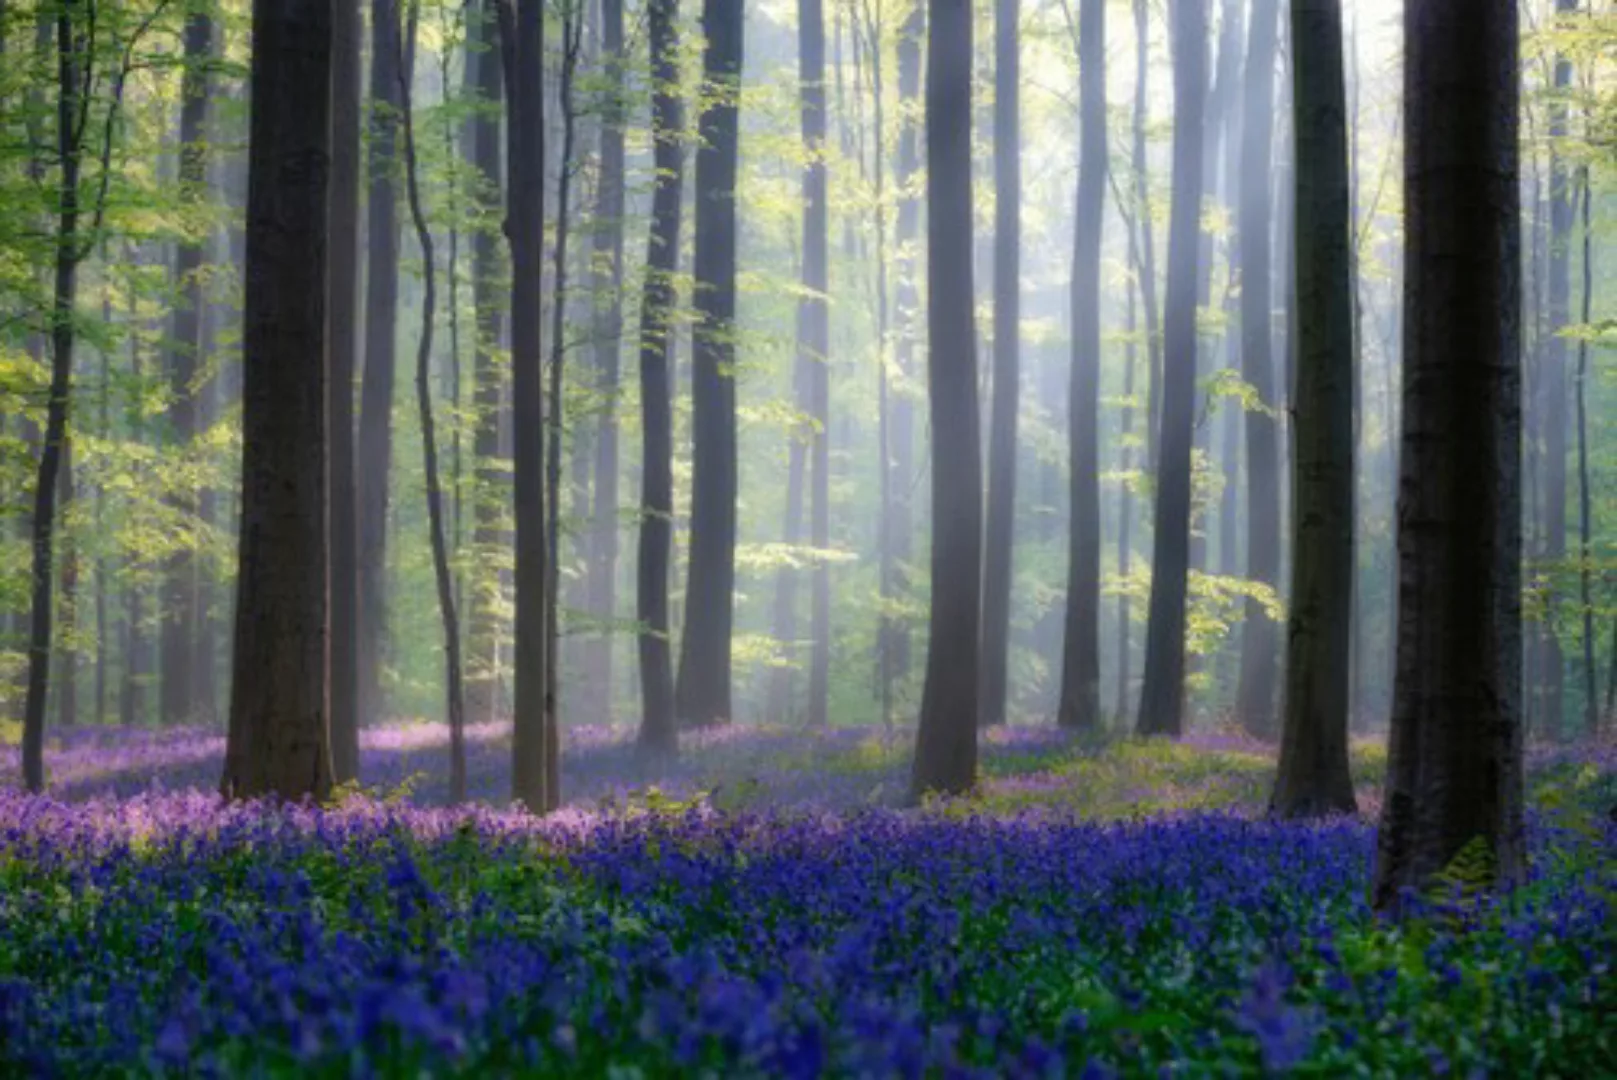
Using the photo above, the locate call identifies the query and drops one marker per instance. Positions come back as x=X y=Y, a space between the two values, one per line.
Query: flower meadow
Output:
x=769 y=911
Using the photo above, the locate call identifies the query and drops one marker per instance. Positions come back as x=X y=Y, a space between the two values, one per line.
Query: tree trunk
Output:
x=703 y=690
x=1000 y=537
x=278 y=743
x=1260 y=640
x=342 y=337
x=1553 y=387
x=1162 y=697
x=534 y=742
x=658 y=733
x=1591 y=696
x=67 y=683
x=1080 y=667
x=375 y=447
x=180 y=602
x=906 y=301
x=601 y=588
x=489 y=379
x=946 y=742
x=1313 y=777
x=53 y=446
x=1148 y=257
x=454 y=699
x=1454 y=770
x=814 y=346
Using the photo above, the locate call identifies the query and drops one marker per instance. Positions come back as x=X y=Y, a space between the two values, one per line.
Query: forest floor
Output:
x=761 y=909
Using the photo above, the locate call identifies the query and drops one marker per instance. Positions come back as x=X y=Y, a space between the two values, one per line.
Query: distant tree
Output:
x=278 y=742
x=342 y=339
x=946 y=742
x=1080 y=669
x=179 y=697
x=702 y=694
x=375 y=445
x=490 y=381
x=1000 y=537
x=1260 y=641
x=1313 y=777
x=534 y=743
x=814 y=340
x=658 y=732
x=1454 y=771
x=1145 y=267
x=1162 y=697
x=455 y=702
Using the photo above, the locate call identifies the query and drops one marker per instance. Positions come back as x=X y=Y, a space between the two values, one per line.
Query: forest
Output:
x=808 y=538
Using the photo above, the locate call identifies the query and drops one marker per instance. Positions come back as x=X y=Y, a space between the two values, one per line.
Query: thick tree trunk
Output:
x=601 y=578
x=278 y=743
x=534 y=742
x=658 y=733
x=491 y=487
x=1080 y=667
x=1162 y=699
x=342 y=338
x=1000 y=538
x=1313 y=777
x=375 y=446
x=1454 y=773
x=946 y=742
x=180 y=600
x=1260 y=640
x=703 y=690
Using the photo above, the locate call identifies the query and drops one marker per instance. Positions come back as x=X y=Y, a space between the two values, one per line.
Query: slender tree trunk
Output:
x=814 y=339
x=946 y=742
x=1162 y=698
x=658 y=733
x=1553 y=386
x=601 y=598
x=278 y=743
x=63 y=296
x=778 y=709
x=67 y=683
x=703 y=689
x=343 y=340
x=1454 y=772
x=906 y=299
x=491 y=490
x=1000 y=538
x=375 y=446
x=1080 y=667
x=1147 y=270
x=1313 y=777
x=534 y=742
x=887 y=569
x=180 y=600
x=455 y=700
x=1260 y=640
x=1591 y=698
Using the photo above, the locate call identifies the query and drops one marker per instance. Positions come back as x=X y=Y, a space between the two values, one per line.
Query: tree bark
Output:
x=534 y=741
x=375 y=446
x=1313 y=777
x=342 y=337
x=946 y=742
x=1162 y=697
x=1000 y=539
x=1260 y=640
x=658 y=733
x=702 y=695
x=1454 y=771
x=278 y=742
x=1080 y=667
